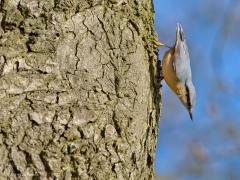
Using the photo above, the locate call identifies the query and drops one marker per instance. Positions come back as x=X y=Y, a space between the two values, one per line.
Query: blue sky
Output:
x=212 y=30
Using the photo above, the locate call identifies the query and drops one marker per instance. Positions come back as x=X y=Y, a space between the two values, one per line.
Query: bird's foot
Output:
x=157 y=43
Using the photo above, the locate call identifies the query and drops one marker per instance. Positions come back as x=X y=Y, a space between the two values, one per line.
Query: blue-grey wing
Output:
x=181 y=62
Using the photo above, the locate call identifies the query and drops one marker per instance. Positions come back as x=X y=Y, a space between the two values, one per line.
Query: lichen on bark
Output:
x=79 y=98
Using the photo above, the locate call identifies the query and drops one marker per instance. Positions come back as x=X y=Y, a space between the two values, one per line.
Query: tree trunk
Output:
x=78 y=93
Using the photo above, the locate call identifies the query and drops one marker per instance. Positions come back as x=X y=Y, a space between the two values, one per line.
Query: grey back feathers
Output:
x=181 y=58
x=182 y=67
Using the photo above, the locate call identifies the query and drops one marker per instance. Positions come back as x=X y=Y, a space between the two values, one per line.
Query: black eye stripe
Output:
x=188 y=96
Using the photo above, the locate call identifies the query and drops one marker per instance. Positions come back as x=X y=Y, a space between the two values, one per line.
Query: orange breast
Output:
x=168 y=71
x=171 y=78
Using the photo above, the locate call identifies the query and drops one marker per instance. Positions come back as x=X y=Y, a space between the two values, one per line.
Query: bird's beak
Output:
x=179 y=33
x=190 y=114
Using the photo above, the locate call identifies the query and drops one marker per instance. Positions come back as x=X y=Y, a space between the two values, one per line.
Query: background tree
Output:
x=78 y=92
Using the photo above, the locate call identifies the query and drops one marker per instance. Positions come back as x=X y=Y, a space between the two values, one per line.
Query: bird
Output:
x=176 y=70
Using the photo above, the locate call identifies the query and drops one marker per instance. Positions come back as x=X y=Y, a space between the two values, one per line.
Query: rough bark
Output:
x=78 y=93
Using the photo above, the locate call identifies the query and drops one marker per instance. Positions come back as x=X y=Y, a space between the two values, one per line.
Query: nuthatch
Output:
x=177 y=71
